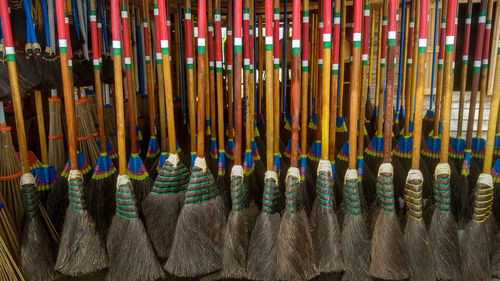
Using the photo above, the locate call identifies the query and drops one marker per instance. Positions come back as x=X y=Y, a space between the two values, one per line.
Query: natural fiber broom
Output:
x=86 y=131
x=8 y=232
x=8 y=267
x=57 y=151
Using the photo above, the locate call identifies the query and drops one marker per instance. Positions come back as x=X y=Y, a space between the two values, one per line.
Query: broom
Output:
x=8 y=267
x=477 y=242
x=244 y=211
x=98 y=190
x=56 y=151
x=388 y=256
x=200 y=226
x=127 y=233
x=46 y=174
x=109 y=122
x=416 y=240
x=162 y=206
x=325 y=229
x=342 y=133
x=86 y=131
x=262 y=248
x=230 y=87
x=277 y=167
x=80 y=251
x=443 y=238
x=296 y=255
x=7 y=230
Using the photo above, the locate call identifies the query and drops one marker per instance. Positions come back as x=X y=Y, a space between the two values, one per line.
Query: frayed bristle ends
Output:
x=388 y=256
x=355 y=241
x=476 y=241
x=240 y=223
x=325 y=227
x=81 y=250
x=37 y=254
x=296 y=260
x=162 y=206
x=131 y=255
x=197 y=245
x=443 y=238
x=262 y=250
x=415 y=234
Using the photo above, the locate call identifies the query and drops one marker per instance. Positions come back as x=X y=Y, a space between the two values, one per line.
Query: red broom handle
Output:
x=237 y=81
x=246 y=71
x=229 y=68
x=319 y=88
x=448 y=80
x=211 y=68
x=269 y=84
x=276 y=67
x=334 y=78
x=201 y=76
x=190 y=75
x=295 y=90
x=147 y=56
x=465 y=61
x=355 y=81
x=325 y=100
x=119 y=100
x=484 y=68
x=159 y=74
x=97 y=75
x=437 y=117
x=14 y=84
x=389 y=91
x=218 y=71
x=364 y=89
x=409 y=71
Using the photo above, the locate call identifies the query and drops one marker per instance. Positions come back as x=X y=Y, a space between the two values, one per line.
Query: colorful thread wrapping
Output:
x=293 y=194
x=76 y=193
x=171 y=179
x=441 y=193
x=201 y=187
x=30 y=200
x=239 y=193
x=126 y=205
x=324 y=190
x=413 y=198
x=483 y=202
x=385 y=192
x=352 y=199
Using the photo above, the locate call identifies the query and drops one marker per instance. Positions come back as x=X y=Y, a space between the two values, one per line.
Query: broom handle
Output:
x=41 y=126
x=465 y=60
x=325 y=94
x=237 y=81
x=380 y=70
x=416 y=34
x=495 y=99
x=218 y=71
x=389 y=90
x=319 y=82
x=190 y=76
x=211 y=64
x=484 y=68
x=229 y=71
x=161 y=84
x=97 y=76
x=442 y=38
x=261 y=67
x=364 y=89
x=295 y=83
x=269 y=83
x=409 y=70
x=476 y=74
x=305 y=76
x=246 y=71
x=149 y=75
x=448 y=80
x=167 y=76
x=119 y=101
x=276 y=71
x=342 y=58
x=201 y=77
x=334 y=79
x=405 y=98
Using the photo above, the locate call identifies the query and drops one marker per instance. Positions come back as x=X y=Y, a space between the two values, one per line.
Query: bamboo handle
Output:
x=41 y=126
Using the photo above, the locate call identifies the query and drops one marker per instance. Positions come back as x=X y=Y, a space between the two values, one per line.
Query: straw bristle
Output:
x=443 y=238
x=7 y=230
x=296 y=259
x=355 y=243
x=388 y=257
x=131 y=255
x=162 y=206
x=141 y=181
x=81 y=250
x=8 y=266
x=325 y=228
x=262 y=249
x=37 y=252
x=86 y=133
x=57 y=150
x=415 y=233
x=239 y=226
x=10 y=166
x=476 y=243
x=197 y=246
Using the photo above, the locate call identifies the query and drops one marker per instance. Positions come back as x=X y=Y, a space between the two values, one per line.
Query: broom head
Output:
x=81 y=250
x=229 y=149
x=478 y=148
x=140 y=178
x=325 y=228
x=162 y=206
x=45 y=177
x=375 y=151
x=222 y=181
x=296 y=259
x=415 y=234
x=197 y=245
x=151 y=160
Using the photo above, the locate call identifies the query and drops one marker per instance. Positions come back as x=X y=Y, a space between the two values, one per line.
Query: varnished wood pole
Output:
x=355 y=87
x=229 y=67
x=276 y=72
x=389 y=89
x=334 y=79
x=246 y=70
x=218 y=73
x=414 y=55
x=295 y=83
x=305 y=77
x=238 y=48
x=438 y=96
x=149 y=76
x=409 y=71
x=160 y=82
x=211 y=68
x=465 y=62
x=269 y=84
x=190 y=75
x=342 y=59
x=364 y=74
x=380 y=71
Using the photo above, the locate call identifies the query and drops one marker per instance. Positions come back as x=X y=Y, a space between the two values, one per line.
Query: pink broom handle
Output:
x=238 y=38
x=269 y=84
x=295 y=81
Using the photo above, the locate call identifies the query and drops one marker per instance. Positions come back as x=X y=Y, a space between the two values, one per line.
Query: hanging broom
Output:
x=296 y=255
x=262 y=248
x=80 y=251
x=57 y=152
x=230 y=87
x=443 y=238
x=127 y=233
x=86 y=131
x=416 y=241
x=477 y=242
x=162 y=206
x=99 y=193
x=8 y=232
x=342 y=133
x=199 y=230
x=276 y=89
x=48 y=61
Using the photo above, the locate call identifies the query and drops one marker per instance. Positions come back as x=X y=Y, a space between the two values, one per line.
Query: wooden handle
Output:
x=246 y=70
x=260 y=52
x=492 y=123
x=334 y=80
x=463 y=76
x=325 y=95
x=342 y=59
x=229 y=67
x=380 y=75
x=190 y=75
x=41 y=126
x=276 y=72
x=389 y=90
x=355 y=82
x=442 y=38
x=161 y=84
x=201 y=77
x=218 y=71
x=295 y=86
x=305 y=76
x=149 y=75
x=409 y=70
x=269 y=84
x=211 y=71
x=364 y=89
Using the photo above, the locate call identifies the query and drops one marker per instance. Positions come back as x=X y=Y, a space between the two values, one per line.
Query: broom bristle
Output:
x=131 y=255
x=443 y=238
x=495 y=257
x=8 y=265
x=57 y=150
x=263 y=246
x=162 y=206
x=476 y=243
x=197 y=245
x=388 y=257
x=81 y=250
x=296 y=259
x=355 y=243
x=325 y=228
x=86 y=133
x=7 y=230
x=141 y=181
x=415 y=234
x=239 y=226
x=37 y=255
